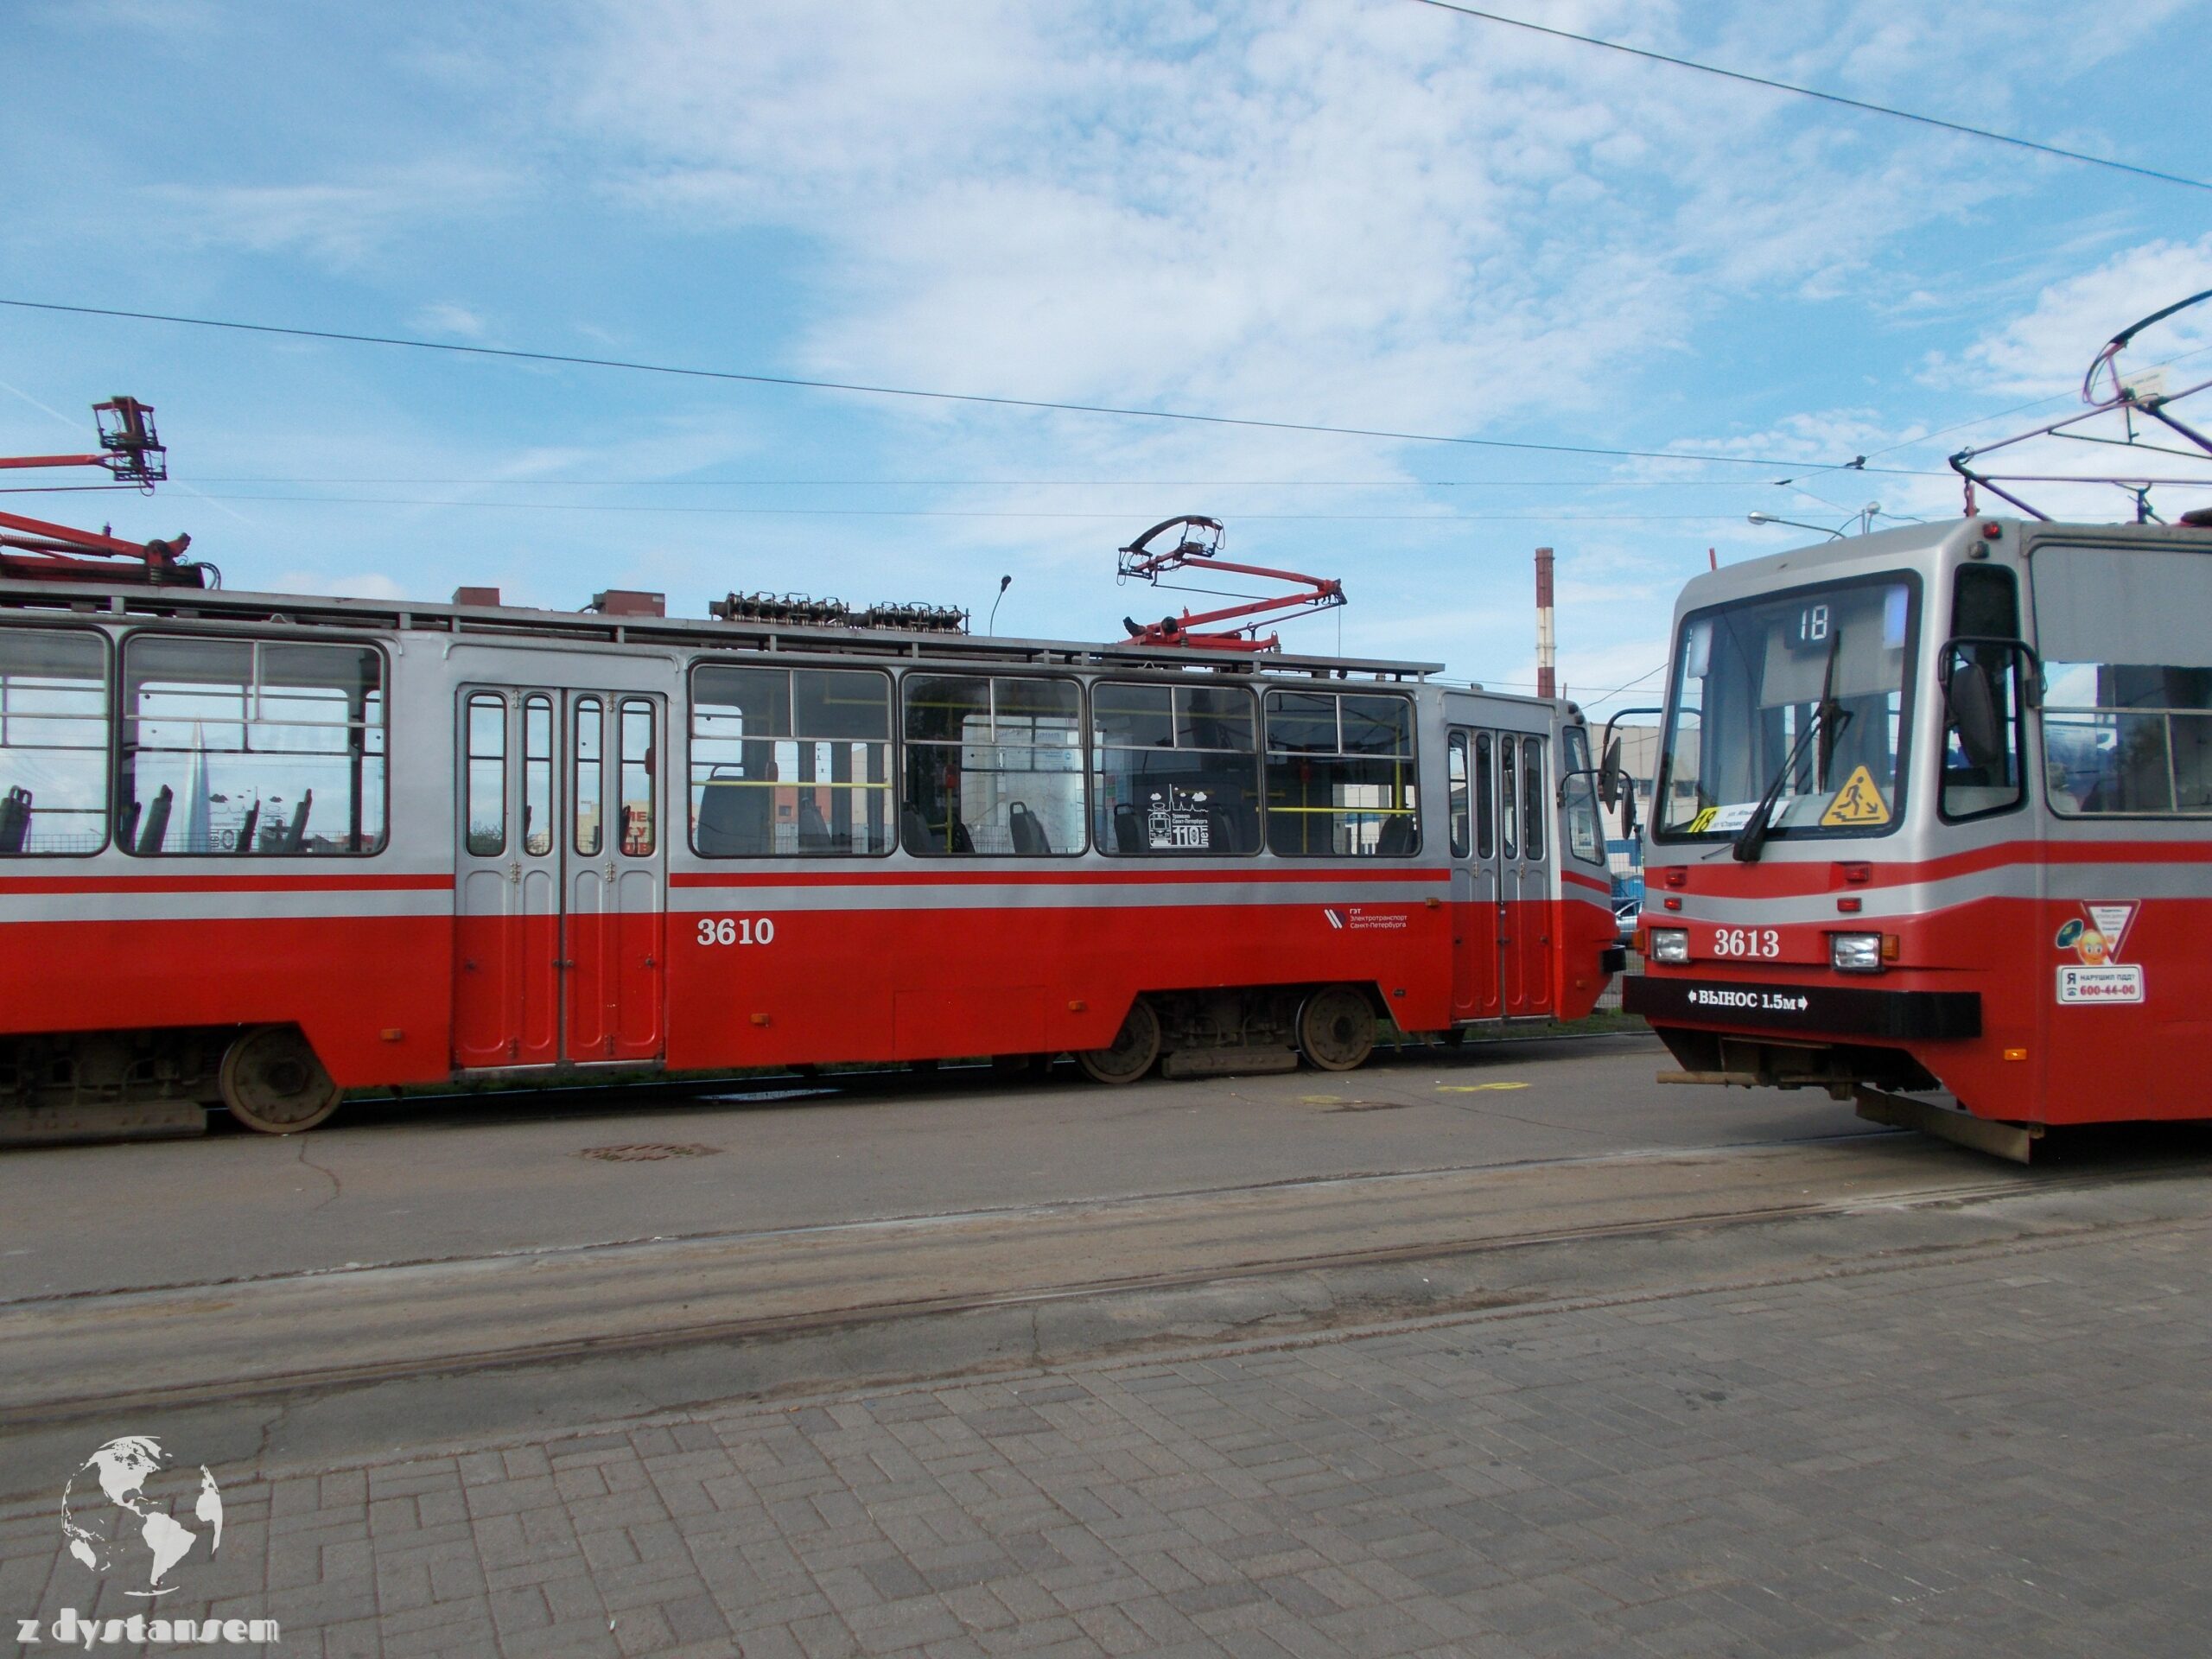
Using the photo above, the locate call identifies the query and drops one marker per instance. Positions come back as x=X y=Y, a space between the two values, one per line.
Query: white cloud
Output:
x=335 y=223
x=2044 y=351
x=444 y=318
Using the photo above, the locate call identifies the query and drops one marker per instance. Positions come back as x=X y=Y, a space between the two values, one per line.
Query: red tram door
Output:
x=560 y=934
x=1478 y=923
x=1524 y=820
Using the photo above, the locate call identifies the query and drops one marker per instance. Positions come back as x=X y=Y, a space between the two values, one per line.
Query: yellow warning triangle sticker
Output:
x=1856 y=803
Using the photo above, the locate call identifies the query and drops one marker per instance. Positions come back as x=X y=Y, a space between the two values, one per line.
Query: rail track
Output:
x=279 y=1336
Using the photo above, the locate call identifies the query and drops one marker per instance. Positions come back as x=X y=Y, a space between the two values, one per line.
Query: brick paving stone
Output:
x=1936 y=1461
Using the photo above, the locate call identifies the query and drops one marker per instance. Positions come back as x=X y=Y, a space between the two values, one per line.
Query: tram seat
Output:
x=296 y=832
x=15 y=820
x=732 y=819
x=963 y=842
x=246 y=829
x=157 y=821
x=1029 y=837
x=914 y=830
x=1397 y=837
x=1128 y=830
x=813 y=833
x=126 y=829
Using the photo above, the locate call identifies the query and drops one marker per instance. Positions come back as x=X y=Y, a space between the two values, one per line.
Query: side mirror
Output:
x=1627 y=805
x=1608 y=774
x=1967 y=676
x=1972 y=701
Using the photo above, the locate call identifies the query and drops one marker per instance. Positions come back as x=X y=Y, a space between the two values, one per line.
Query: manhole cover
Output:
x=650 y=1152
x=1337 y=1104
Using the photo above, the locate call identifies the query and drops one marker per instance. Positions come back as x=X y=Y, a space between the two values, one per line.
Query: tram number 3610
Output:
x=1746 y=942
x=737 y=930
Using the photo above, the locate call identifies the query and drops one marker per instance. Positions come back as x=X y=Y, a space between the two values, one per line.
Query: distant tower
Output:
x=1546 y=642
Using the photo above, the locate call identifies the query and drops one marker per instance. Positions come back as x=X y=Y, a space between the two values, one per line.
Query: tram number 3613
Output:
x=737 y=930
x=1746 y=942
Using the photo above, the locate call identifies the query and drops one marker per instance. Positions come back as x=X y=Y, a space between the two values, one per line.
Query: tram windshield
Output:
x=1801 y=696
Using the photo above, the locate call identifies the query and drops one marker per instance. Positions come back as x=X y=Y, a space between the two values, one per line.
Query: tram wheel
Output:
x=1135 y=1046
x=273 y=1082
x=1336 y=1028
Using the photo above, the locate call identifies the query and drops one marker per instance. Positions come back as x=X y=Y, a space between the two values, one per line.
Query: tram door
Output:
x=1525 y=873
x=1478 y=963
x=560 y=935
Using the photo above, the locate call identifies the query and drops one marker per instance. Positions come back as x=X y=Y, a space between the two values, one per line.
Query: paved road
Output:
x=1957 y=1428
x=406 y=1182
x=1504 y=1350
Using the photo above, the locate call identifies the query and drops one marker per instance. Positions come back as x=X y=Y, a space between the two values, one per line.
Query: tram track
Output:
x=276 y=1338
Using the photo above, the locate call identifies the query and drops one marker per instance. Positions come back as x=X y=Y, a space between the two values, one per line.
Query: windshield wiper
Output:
x=1752 y=836
x=1827 y=722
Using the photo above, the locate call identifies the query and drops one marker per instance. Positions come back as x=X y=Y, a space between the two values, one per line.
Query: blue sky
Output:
x=1371 y=214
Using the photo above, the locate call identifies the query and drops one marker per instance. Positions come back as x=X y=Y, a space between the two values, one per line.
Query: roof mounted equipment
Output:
x=2138 y=401
x=1203 y=542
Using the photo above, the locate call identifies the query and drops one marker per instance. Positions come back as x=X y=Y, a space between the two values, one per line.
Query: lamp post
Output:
x=1770 y=519
x=992 y=626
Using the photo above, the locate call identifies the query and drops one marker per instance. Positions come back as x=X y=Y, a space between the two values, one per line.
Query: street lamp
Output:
x=1865 y=515
x=992 y=626
x=1770 y=519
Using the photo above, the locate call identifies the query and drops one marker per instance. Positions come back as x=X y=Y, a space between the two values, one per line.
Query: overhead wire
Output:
x=1862 y=105
x=749 y=378
x=957 y=512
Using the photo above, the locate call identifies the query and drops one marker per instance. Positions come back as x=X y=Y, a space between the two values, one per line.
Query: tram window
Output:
x=536 y=776
x=589 y=787
x=994 y=765
x=790 y=762
x=1983 y=770
x=1584 y=830
x=1532 y=796
x=1508 y=794
x=252 y=746
x=1177 y=770
x=1485 y=799
x=1463 y=830
x=639 y=790
x=1341 y=775
x=53 y=731
x=2127 y=680
x=487 y=775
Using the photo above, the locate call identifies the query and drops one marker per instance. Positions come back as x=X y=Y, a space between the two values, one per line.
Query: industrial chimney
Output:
x=1546 y=642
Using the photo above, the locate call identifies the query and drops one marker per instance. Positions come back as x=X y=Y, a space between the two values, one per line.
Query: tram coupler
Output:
x=2011 y=1141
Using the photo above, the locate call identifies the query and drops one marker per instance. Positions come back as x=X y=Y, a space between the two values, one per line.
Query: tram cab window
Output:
x=258 y=747
x=1801 y=698
x=1177 y=768
x=993 y=767
x=2127 y=680
x=53 y=731
x=1341 y=775
x=791 y=762
x=1983 y=770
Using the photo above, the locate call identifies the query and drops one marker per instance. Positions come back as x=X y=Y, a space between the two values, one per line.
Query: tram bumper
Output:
x=1840 y=1038
x=1806 y=1013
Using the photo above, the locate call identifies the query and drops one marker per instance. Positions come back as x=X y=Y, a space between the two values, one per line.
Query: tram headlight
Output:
x=1670 y=944
x=1855 y=953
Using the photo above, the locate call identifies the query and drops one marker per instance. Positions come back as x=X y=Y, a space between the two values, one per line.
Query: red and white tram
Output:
x=256 y=850
x=1934 y=809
